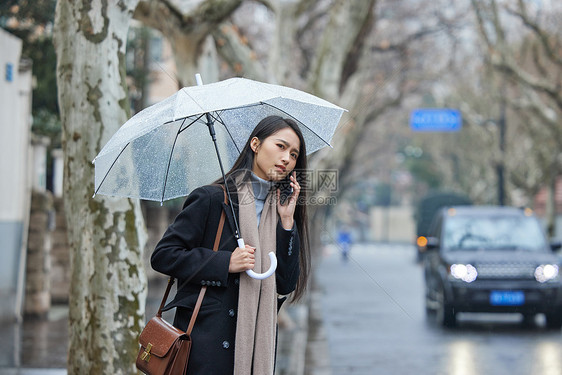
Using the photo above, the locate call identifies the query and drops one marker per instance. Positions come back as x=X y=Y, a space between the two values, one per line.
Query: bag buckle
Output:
x=145 y=356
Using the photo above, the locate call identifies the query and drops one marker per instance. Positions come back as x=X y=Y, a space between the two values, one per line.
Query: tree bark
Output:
x=187 y=32
x=106 y=235
x=238 y=55
x=340 y=44
x=550 y=204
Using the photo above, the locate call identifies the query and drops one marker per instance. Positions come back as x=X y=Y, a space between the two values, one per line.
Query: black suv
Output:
x=491 y=259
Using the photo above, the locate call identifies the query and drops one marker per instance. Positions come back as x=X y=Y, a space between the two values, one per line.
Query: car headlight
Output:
x=464 y=272
x=546 y=272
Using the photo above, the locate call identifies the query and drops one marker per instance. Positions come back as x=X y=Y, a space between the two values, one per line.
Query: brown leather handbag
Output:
x=164 y=349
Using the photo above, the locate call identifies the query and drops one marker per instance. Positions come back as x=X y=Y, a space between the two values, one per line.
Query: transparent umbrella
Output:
x=166 y=150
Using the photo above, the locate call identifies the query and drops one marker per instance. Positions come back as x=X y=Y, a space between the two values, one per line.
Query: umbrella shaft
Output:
x=213 y=136
x=211 y=127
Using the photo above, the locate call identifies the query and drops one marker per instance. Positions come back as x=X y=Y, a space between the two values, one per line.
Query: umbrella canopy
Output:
x=165 y=151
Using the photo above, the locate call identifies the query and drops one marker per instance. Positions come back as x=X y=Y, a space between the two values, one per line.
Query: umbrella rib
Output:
x=245 y=106
x=170 y=160
x=109 y=170
x=300 y=122
x=217 y=117
x=228 y=132
x=188 y=125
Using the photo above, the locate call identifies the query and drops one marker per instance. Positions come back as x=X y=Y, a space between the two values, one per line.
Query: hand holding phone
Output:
x=288 y=194
x=285 y=189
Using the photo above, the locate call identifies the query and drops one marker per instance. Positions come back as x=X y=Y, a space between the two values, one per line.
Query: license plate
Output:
x=507 y=297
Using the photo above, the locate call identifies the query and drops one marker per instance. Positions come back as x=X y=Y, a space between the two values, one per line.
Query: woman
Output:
x=235 y=330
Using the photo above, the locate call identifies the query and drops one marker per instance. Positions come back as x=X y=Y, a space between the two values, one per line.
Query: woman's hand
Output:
x=286 y=211
x=242 y=259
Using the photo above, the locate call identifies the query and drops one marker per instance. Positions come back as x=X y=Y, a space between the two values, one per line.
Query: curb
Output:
x=33 y=371
x=292 y=340
x=317 y=350
x=302 y=343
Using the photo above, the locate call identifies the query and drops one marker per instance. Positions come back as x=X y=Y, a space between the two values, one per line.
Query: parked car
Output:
x=491 y=259
x=426 y=209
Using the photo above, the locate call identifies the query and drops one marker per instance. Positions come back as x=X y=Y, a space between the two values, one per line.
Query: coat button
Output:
x=218 y=283
x=236 y=281
x=202 y=282
x=225 y=344
x=231 y=313
x=213 y=283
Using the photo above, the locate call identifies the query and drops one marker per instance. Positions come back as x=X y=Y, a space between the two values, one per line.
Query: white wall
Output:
x=15 y=116
x=15 y=125
x=393 y=224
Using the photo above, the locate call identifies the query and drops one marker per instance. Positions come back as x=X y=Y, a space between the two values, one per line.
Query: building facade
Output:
x=15 y=186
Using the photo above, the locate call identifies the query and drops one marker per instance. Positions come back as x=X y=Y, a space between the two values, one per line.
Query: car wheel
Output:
x=445 y=314
x=430 y=304
x=554 y=320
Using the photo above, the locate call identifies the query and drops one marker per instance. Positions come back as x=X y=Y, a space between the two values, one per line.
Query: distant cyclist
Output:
x=344 y=242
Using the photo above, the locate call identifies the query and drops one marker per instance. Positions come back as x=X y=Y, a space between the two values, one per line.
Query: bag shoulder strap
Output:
x=204 y=288
x=165 y=297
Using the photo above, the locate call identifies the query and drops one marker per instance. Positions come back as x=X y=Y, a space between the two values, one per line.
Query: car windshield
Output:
x=494 y=233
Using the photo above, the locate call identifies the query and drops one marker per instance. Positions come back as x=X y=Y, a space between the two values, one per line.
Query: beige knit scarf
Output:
x=257 y=310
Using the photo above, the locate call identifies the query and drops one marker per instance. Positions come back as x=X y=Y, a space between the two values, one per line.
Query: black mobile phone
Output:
x=285 y=189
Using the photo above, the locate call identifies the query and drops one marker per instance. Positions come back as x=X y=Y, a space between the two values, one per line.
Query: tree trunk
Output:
x=194 y=55
x=106 y=235
x=550 y=204
x=188 y=33
x=348 y=26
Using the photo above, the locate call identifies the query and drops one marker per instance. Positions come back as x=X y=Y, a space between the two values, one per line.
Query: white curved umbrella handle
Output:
x=266 y=274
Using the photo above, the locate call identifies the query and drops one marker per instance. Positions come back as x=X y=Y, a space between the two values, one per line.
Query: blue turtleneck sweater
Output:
x=261 y=188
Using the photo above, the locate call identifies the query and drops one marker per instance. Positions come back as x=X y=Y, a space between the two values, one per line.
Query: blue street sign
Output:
x=435 y=120
x=9 y=72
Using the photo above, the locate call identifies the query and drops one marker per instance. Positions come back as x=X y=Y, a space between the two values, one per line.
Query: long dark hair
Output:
x=265 y=128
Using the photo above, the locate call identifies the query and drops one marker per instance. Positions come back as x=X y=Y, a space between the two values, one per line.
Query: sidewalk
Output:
x=40 y=347
x=33 y=371
x=317 y=350
x=35 y=347
x=302 y=347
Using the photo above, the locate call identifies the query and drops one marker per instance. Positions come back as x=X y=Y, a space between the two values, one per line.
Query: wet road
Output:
x=374 y=319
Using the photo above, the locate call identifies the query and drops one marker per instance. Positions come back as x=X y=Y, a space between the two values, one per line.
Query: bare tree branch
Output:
x=158 y=15
x=347 y=20
x=354 y=54
x=504 y=61
x=547 y=116
x=480 y=23
x=163 y=14
x=236 y=52
x=542 y=85
x=411 y=38
x=552 y=52
x=186 y=32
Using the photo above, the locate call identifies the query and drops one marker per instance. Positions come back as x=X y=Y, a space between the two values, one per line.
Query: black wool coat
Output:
x=185 y=252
